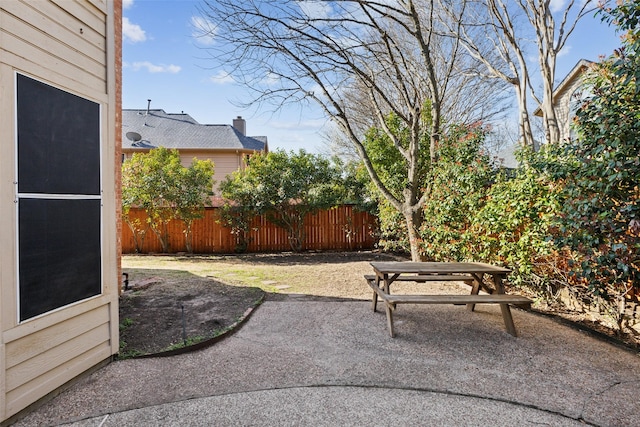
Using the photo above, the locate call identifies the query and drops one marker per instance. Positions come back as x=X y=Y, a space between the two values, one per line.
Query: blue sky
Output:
x=164 y=61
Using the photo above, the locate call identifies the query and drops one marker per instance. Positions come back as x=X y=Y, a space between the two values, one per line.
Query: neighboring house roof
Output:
x=575 y=73
x=145 y=129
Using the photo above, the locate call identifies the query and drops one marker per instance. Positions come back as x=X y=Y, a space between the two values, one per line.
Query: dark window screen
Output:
x=60 y=261
x=59 y=205
x=58 y=140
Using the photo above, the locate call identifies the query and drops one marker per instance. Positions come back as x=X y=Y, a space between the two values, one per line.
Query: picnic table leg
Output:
x=389 y=310
x=385 y=288
x=506 y=311
x=388 y=280
x=498 y=282
x=508 y=320
x=374 y=301
x=475 y=290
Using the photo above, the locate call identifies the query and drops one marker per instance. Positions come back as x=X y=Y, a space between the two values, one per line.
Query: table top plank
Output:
x=410 y=267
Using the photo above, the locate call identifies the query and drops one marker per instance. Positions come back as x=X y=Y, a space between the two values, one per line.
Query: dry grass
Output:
x=332 y=274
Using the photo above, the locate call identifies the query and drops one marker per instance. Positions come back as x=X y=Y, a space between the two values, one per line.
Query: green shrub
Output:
x=600 y=224
x=459 y=184
x=513 y=227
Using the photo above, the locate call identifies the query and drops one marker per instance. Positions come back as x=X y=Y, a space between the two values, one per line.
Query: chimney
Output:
x=240 y=124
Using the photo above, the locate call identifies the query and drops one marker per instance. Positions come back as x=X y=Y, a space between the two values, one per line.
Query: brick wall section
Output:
x=118 y=134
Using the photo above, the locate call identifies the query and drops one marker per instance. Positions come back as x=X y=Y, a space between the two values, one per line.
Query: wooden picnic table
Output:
x=471 y=273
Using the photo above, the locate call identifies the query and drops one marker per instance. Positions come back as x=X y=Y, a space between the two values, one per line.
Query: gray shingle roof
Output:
x=181 y=131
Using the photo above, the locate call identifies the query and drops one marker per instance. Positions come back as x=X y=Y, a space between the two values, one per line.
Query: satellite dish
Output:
x=134 y=136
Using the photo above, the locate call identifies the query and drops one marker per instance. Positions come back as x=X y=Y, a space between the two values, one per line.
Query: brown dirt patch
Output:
x=159 y=303
x=215 y=291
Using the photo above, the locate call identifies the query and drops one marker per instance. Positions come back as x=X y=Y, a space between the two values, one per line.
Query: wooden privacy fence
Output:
x=340 y=228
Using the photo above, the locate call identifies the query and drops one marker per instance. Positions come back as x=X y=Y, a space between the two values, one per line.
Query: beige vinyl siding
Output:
x=70 y=45
x=32 y=391
x=224 y=163
x=34 y=338
x=7 y=210
x=66 y=48
x=45 y=363
x=7 y=214
x=563 y=108
x=228 y=162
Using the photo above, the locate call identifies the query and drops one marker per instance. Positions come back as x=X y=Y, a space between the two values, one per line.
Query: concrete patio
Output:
x=326 y=363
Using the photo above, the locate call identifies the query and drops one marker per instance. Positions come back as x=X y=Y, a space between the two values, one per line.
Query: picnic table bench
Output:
x=421 y=272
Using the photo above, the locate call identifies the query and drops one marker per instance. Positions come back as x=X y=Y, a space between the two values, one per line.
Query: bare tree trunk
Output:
x=161 y=231
x=491 y=35
x=296 y=235
x=550 y=121
x=505 y=59
x=550 y=40
x=524 y=121
x=138 y=233
x=413 y=219
x=188 y=236
x=164 y=238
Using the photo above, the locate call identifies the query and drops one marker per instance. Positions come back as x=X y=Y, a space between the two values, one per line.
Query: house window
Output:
x=58 y=196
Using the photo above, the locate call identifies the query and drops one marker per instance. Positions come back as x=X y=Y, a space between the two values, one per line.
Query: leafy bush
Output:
x=601 y=218
x=283 y=186
x=239 y=208
x=513 y=226
x=459 y=182
x=393 y=236
x=157 y=182
x=476 y=214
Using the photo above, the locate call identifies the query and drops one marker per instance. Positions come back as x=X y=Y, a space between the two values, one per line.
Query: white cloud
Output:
x=204 y=30
x=565 y=51
x=557 y=5
x=271 y=79
x=126 y=4
x=303 y=125
x=132 y=32
x=155 y=68
x=315 y=9
x=221 y=77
